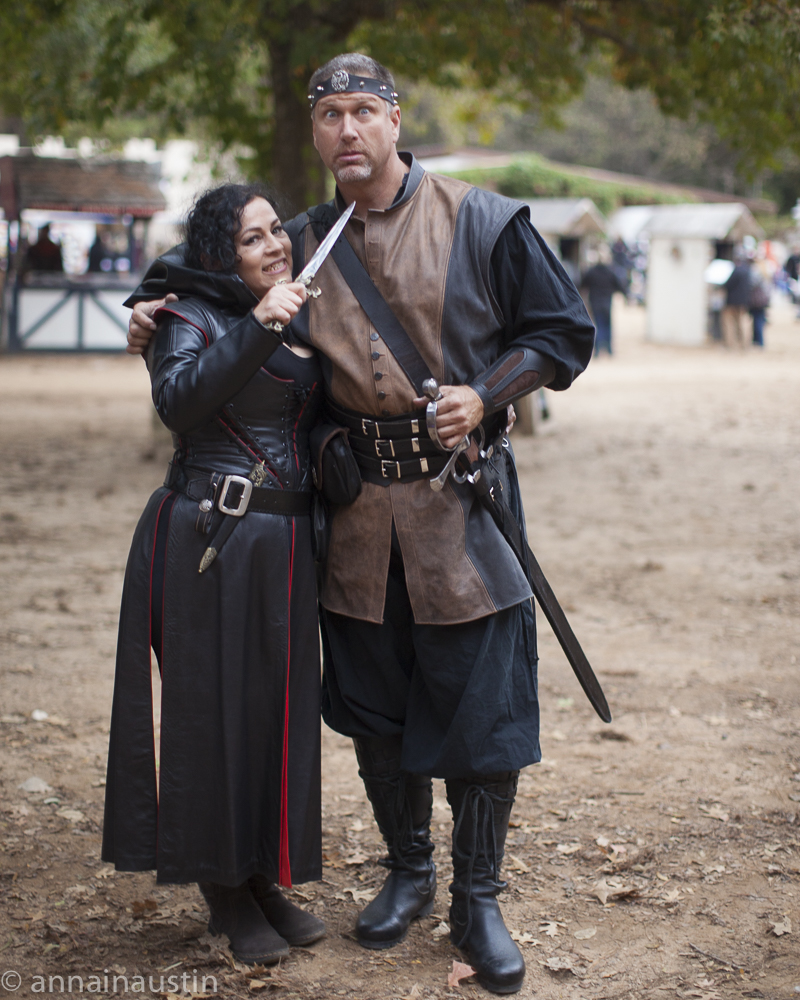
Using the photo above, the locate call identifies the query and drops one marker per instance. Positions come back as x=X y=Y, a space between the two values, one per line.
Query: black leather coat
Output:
x=238 y=644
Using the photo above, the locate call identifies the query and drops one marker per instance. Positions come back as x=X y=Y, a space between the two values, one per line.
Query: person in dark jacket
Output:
x=220 y=584
x=601 y=282
x=45 y=255
x=737 y=303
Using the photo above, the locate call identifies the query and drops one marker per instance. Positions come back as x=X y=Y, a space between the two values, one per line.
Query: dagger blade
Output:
x=309 y=272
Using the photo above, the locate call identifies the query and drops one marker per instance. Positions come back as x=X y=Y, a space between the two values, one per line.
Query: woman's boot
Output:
x=296 y=926
x=402 y=805
x=481 y=810
x=235 y=912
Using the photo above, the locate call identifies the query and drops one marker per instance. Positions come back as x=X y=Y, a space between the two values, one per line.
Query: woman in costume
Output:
x=220 y=584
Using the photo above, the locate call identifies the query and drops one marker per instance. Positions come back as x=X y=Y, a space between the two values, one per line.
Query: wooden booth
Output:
x=75 y=232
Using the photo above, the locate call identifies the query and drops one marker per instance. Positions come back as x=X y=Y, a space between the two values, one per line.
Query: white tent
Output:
x=684 y=239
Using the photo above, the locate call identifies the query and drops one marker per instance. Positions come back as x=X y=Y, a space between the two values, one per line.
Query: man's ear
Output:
x=394 y=115
x=314 y=131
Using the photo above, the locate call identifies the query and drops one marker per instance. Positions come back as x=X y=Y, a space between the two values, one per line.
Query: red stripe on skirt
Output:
x=285 y=871
x=150 y=624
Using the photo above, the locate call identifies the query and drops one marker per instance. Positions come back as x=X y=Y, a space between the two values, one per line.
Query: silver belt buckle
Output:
x=379 y=442
x=244 y=499
x=388 y=463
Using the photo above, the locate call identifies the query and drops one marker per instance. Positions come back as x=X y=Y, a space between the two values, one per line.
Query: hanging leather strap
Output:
x=375 y=306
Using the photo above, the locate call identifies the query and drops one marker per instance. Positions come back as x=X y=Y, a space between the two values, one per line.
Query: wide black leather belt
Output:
x=397 y=448
x=392 y=428
x=235 y=494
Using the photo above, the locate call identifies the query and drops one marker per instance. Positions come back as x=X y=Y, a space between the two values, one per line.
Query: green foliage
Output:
x=236 y=70
x=534 y=177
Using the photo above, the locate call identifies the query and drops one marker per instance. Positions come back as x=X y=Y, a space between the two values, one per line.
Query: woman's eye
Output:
x=278 y=229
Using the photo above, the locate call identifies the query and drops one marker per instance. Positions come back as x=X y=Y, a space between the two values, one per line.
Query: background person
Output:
x=44 y=255
x=737 y=303
x=601 y=281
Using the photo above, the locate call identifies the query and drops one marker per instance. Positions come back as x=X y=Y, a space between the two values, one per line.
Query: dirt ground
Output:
x=656 y=857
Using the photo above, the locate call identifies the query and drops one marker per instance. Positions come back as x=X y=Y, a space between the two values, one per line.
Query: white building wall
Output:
x=677 y=294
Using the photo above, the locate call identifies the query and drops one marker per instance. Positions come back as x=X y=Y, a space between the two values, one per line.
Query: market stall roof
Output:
x=567 y=216
x=110 y=187
x=731 y=221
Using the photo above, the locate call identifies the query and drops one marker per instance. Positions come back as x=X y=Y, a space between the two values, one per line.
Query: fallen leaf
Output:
x=414 y=994
x=73 y=815
x=557 y=963
x=609 y=890
x=36 y=785
x=782 y=927
x=440 y=930
x=359 y=895
x=672 y=896
x=524 y=937
x=550 y=928
x=141 y=907
x=356 y=858
x=358 y=826
x=459 y=971
x=517 y=864
x=558 y=736
x=716 y=811
x=104 y=873
x=567 y=848
x=585 y=934
x=256 y=984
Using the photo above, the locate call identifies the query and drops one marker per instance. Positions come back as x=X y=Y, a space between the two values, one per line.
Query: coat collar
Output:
x=169 y=273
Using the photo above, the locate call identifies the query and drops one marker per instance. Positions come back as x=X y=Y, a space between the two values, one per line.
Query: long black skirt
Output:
x=237 y=788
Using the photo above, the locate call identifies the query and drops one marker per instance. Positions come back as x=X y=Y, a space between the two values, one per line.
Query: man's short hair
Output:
x=353 y=62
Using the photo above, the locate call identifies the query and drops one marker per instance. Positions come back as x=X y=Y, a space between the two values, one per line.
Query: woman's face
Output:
x=264 y=249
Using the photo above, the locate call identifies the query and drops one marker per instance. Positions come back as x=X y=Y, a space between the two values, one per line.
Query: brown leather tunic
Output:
x=407 y=251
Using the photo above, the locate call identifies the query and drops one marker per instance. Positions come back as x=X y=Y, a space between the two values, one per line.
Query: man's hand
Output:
x=458 y=412
x=141 y=325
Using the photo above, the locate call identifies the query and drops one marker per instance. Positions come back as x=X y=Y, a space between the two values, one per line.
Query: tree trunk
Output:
x=298 y=173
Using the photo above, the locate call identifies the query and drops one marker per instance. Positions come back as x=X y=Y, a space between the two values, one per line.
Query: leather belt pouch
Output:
x=334 y=467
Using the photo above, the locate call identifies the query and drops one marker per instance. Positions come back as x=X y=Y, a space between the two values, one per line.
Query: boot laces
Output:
x=483 y=841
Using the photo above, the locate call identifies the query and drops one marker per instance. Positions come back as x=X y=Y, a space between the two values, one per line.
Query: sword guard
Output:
x=314 y=293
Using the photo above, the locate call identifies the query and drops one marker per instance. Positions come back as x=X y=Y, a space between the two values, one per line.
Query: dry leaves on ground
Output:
x=459 y=971
x=613 y=889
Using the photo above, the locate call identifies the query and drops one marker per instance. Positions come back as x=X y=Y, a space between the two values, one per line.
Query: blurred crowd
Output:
x=739 y=296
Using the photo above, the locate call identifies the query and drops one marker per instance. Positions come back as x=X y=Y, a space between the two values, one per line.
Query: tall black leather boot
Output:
x=296 y=926
x=235 y=912
x=402 y=804
x=481 y=810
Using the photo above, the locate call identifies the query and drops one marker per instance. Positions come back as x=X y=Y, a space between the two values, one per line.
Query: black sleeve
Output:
x=193 y=378
x=547 y=334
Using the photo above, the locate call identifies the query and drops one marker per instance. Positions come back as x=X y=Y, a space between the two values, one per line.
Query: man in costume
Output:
x=427 y=619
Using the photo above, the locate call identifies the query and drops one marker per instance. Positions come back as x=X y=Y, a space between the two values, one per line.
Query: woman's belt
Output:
x=233 y=495
x=394 y=448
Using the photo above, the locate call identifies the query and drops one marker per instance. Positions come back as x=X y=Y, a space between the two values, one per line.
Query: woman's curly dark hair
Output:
x=211 y=226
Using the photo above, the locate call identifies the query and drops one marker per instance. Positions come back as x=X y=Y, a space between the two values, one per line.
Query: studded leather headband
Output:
x=343 y=82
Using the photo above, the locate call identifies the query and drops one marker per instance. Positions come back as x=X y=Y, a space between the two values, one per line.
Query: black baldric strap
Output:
x=376 y=307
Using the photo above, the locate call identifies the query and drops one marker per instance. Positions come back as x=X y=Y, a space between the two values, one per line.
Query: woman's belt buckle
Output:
x=244 y=497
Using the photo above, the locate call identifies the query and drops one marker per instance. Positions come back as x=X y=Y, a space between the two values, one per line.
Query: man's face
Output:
x=355 y=134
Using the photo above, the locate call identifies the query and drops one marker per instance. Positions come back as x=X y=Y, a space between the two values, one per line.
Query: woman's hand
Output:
x=281 y=303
